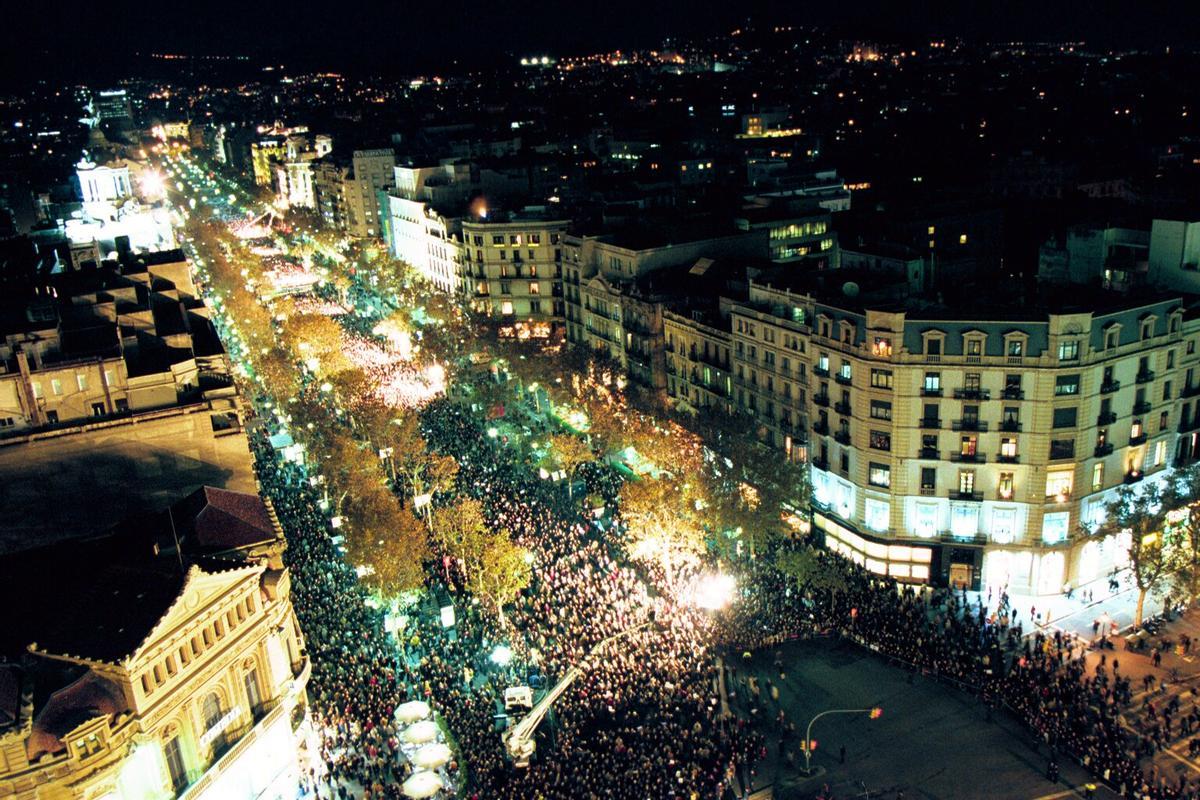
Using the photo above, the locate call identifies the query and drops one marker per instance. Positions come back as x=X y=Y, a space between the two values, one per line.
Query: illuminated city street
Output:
x=576 y=403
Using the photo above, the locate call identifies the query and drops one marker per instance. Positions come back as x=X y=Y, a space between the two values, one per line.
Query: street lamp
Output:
x=873 y=713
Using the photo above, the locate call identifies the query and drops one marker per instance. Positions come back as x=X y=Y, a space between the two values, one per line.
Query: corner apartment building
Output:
x=972 y=449
x=513 y=265
x=430 y=242
x=183 y=674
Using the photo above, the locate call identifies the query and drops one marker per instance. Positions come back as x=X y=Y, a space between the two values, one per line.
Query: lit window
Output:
x=1098 y=476
x=1058 y=484
x=964 y=520
x=1068 y=351
x=931 y=230
x=81 y=381
x=962 y=238
x=878 y=514
x=506 y=307
x=1004 y=525
x=1160 y=453
x=880 y=475
x=882 y=346
x=1005 y=486
x=1055 y=526
x=925 y=523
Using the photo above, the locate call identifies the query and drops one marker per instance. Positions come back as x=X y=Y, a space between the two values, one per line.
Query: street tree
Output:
x=811 y=570
x=502 y=573
x=461 y=533
x=568 y=453
x=661 y=521
x=1185 y=579
x=1142 y=513
x=389 y=541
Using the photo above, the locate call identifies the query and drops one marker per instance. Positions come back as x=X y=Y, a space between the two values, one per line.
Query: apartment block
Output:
x=513 y=264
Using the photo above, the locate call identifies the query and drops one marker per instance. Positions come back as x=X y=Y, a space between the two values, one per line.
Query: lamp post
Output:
x=875 y=713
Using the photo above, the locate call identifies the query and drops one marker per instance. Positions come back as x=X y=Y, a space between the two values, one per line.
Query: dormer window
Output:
x=1147 y=328
x=1112 y=337
x=934 y=342
x=824 y=325
x=847 y=333
x=1016 y=344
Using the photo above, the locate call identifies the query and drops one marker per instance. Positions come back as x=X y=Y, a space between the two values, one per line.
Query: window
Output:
x=881 y=409
x=82 y=382
x=98 y=409
x=1008 y=448
x=1016 y=348
x=1163 y=419
x=37 y=389
x=928 y=480
x=1062 y=448
x=926 y=522
x=1136 y=429
x=931 y=413
x=880 y=440
x=933 y=382
x=880 y=475
x=506 y=308
x=1058 y=484
x=933 y=346
x=505 y=287
x=1112 y=338
x=968 y=446
x=173 y=755
x=881 y=378
x=56 y=386
x=878 y=514
x=252 y=694
x=1066 y=384
x=1004 y=525
x=1065 y=417
x=974 y=346
x=535 y=306
x=962 y=238
x=966 y=481
x=212 y=714
x=1160 y=453
x=52 y=417
x=497 y=238
x=929 y=444
x=1054 y=527
x=844 y=372
x=964 y=521
x=882 y=347
x=972 y=382
x=535 y=287
x=1097 y=476
x=1068 y=351
x=823 y=362
x=1005 y=486
x=1147 y=328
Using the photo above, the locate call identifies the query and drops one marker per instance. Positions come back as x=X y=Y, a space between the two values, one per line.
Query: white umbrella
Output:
x=420 y=732
x=432 y=756
x=412 y=711
x=422 y=784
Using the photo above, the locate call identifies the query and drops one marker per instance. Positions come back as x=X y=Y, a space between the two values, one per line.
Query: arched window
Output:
x=212 y=710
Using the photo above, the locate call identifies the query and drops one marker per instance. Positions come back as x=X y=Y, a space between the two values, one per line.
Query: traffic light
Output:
x=876 y=713
x=812 y=745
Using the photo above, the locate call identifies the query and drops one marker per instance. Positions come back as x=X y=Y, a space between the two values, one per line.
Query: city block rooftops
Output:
x=859 y=298
x=654 y=234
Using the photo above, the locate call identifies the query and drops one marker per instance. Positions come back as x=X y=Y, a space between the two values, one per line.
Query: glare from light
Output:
x=715 y=591
x=502 y=655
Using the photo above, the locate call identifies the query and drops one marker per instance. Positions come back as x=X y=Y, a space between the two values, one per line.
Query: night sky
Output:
x=400 y=35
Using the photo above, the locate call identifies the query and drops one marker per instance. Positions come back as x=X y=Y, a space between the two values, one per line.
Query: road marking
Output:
x=1057 y=795
x=1190 y=764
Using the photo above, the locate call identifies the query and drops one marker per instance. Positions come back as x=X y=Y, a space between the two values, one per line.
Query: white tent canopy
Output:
x=422 y=784
x=432 y=756
x=420 y=732
x=412 y=711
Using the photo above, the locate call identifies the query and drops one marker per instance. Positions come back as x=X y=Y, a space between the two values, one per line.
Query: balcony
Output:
x=928 y=391
x=1010 y=426
x=1138 y=439
x=969 y=425
x=1013 y=393
x=972 y=394
x=1109 y=387
x=821 y=400
x=1106 y=418
x=842 y=408
x=1133 y=476
x=821 y=464
x=928 y=491
x=821 y=371
x=967 y=458
x=1145 y=376
x=930 y=423
x=1003 y=459
x=842 y=437
x=1141 y=408
x=1190 y=391
x=1103 y=450
x=929 y=454
x=973 y=497
x=843 y=379
x=821 y=428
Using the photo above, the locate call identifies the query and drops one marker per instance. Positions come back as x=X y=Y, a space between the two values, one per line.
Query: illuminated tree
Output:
x=1142 y=512
x=568 y=453
x=461 y=533
x=1185 y=578
x=812 y=570
x=661 y=521
x=388 y=540
x=315 y=336
x=503 y=572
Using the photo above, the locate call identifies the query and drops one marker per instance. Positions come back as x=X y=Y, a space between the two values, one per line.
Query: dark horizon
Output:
x=379 y=38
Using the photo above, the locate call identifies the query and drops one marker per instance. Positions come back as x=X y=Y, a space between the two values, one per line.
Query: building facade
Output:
x=514 y=270
x=428 y=241
x=371 y=172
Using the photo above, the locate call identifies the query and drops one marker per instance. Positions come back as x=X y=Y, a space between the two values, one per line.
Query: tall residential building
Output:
x=371 y=171
x=112 y=105
x=183 y=672
x=513 y=266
